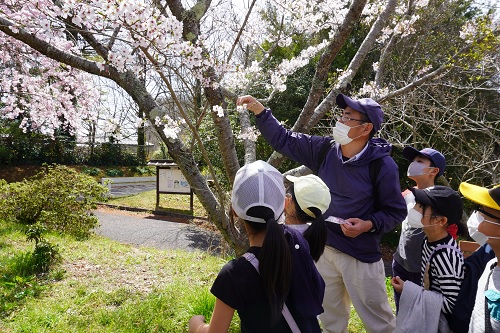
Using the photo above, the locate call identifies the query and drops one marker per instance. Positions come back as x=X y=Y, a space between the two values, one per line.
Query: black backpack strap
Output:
x=322 y=154
x=250 y=257
x=374 y=168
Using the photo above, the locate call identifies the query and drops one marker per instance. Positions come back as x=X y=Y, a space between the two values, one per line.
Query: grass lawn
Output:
x=104 y=286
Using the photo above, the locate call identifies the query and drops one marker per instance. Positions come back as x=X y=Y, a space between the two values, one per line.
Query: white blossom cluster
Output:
x=372 y=90
x=249 y=133
x=171 y=127
x=218 y=110
x=58 y=97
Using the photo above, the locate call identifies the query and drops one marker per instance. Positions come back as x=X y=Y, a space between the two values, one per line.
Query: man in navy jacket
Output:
x=365 y=204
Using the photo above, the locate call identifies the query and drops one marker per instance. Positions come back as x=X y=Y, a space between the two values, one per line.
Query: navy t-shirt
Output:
x=240 y=287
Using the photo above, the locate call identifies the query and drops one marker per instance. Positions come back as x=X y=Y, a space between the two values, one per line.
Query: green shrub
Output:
x=57 y=199
x=92 y=171
x=114 y=173
x=6 y=156
x=110 y=153
x=144 y=170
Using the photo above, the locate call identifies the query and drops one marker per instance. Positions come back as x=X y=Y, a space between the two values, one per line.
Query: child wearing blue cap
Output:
x=426 y=166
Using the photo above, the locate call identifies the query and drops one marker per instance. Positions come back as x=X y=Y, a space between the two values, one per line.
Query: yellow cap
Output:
x=481 y=195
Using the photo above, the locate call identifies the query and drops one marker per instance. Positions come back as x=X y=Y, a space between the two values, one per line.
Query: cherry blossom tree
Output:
x=184 y=63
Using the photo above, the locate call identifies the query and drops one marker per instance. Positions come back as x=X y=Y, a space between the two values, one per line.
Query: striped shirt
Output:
x=446 y=270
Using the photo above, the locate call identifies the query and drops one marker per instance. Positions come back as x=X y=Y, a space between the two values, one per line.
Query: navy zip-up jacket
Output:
x=350 y=185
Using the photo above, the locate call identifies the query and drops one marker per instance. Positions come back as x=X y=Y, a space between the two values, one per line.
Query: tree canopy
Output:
x=432 y=64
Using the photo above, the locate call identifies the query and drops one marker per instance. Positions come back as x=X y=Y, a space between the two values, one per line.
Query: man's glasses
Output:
x=345 y=119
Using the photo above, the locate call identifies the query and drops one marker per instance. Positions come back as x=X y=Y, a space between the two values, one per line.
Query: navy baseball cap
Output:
x=368 y=106
x=436 y=157
x=446 y=201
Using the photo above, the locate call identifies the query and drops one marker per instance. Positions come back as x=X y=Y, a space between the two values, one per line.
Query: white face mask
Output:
x=473 y=223
x=340 y=133
x=415 y=218
x=416 y=169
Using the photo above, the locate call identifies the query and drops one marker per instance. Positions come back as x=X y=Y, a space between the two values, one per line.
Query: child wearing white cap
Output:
x=276 y=275
x=484 y=227
x=307 y=200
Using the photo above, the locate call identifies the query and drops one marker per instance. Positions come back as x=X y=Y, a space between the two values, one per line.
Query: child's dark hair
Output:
x=436 y=176
x=316 y=233
x=275 y=261
x=462 y=229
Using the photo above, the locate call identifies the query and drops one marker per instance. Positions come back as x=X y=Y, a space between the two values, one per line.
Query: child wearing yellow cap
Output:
x=484 y=227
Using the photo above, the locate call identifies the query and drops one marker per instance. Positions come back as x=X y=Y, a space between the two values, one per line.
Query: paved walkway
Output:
x=146 y=230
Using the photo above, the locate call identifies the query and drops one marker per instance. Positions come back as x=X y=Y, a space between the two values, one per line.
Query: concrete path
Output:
x=146 y=230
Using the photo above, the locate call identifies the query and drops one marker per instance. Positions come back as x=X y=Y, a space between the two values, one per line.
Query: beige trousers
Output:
x=350 y=280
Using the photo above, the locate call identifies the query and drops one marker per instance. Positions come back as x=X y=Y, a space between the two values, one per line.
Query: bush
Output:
x=91 y=171
x=45 y=256
x=143 y=170
x=58 y=199
x=114 y=173
x=6 y=156
x=112 y=154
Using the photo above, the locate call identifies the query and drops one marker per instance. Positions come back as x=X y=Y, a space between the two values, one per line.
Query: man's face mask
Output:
x=340 y=133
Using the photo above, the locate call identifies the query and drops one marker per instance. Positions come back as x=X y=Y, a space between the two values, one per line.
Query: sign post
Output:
x=170 y=180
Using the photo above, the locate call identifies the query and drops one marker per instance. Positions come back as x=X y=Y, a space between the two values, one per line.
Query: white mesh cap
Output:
x=258 y=184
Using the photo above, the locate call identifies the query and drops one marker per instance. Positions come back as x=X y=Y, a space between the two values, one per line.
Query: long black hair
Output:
x=316 y=233
x=275 y=260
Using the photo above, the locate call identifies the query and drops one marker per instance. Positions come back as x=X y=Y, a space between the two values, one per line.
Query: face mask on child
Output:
x=415 y=219
x=473 y=223
x=416 y=169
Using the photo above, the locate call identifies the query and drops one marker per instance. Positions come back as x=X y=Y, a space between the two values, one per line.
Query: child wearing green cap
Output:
x=307 y=200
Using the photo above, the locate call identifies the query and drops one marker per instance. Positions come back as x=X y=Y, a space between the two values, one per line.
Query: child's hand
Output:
x=195 y=323
x=398 y=284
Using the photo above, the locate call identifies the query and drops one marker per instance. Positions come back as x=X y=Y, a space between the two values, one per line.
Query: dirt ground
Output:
x=18 y=173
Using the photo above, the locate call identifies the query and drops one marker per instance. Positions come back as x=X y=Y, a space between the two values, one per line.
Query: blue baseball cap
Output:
x=368 y=106
x=435 y=156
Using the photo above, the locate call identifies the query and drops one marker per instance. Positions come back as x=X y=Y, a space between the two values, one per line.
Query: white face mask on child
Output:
x=473 y=223
x=416 y=169
x=415 y=218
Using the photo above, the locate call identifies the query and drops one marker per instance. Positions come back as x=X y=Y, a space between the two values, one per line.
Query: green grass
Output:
x=105 y=286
